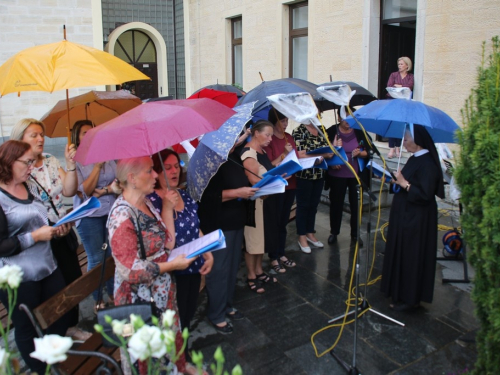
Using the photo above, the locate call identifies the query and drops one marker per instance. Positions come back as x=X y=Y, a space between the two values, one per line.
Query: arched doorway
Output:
x=138 y=49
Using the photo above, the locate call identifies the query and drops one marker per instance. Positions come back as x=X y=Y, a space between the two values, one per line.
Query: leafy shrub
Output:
x=478 y=176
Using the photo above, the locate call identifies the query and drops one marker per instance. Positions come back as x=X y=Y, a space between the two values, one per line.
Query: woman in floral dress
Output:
x=138 y=279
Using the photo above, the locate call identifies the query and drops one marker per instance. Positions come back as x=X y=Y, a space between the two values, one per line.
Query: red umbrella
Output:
x=227 y=98
x=221 y=87
x=151 y=127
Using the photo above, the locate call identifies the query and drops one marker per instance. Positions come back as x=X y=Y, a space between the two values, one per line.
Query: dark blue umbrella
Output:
x=362 y=96
x=282 y=86
x=213 y=151
x=389 y=118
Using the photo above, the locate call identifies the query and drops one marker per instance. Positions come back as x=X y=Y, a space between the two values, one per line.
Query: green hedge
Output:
x=478 y=176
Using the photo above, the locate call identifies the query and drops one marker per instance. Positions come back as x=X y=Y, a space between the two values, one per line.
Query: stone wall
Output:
x=342 y=36
x=454 y=31
x=27 y=23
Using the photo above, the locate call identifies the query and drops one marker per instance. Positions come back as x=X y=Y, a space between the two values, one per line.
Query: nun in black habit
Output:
x=410 y=253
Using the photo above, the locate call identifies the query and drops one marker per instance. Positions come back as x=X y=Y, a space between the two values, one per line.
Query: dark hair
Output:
x=157 y=163
x=259 y=125
x=75 y=132
x=275 y=115
x=10 y=151
x=346 y=111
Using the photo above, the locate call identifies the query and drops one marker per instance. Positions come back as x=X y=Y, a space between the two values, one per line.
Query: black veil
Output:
x=422 y=138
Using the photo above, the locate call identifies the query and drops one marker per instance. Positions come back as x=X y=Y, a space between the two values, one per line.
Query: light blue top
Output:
x=106 y=177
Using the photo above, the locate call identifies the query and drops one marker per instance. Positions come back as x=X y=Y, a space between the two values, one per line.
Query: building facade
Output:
x=187 y=44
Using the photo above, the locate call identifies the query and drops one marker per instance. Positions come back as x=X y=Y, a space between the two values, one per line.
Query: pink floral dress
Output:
x=136 y=279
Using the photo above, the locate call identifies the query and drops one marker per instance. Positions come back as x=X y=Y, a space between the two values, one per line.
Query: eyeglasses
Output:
x=28 y=163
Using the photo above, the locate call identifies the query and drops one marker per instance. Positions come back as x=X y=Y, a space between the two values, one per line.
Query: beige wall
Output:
x=343 y=42
x=335 y=32
x=455 y=30
x=25 y=23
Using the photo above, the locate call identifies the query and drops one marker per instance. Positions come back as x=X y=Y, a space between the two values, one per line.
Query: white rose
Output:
x=168 y=318
x=138 y=345
x=117 y=326
x=157 y=343
x=51 y=348
x=4 y=355
x=11 y=275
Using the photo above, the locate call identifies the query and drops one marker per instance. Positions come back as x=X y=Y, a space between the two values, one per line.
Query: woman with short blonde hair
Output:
x=401 y=78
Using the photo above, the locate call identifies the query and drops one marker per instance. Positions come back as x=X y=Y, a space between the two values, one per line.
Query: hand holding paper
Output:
x=269 y=185
x=209 y=242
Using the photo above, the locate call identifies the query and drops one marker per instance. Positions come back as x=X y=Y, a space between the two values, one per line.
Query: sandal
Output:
x=255 y=286
x=265 y=278
x=288 y=262
x=277 y=267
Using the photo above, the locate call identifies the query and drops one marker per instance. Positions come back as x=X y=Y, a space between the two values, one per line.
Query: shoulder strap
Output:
x=48 y=195
x=105 y=248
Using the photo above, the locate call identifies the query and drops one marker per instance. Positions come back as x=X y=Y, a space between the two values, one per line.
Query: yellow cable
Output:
x=350 y=301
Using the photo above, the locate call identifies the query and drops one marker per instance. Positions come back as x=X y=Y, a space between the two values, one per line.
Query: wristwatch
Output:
x=106 y=188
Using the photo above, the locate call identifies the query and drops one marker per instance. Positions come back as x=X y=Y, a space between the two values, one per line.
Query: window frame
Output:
x=236 y=42
x=295 y=33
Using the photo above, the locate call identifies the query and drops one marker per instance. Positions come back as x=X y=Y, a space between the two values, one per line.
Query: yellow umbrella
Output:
x=63 y=65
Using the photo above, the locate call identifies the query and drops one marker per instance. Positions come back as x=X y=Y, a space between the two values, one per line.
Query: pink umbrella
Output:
x=151 y=127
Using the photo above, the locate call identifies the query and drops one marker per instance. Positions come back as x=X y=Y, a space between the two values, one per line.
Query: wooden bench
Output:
x=82 y=259
x=88 y=357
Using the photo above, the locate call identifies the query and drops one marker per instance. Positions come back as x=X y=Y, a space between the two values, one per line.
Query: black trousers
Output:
x=284 y=205
x=221 y=281
x=32 y=294
x=188 y=289
x=338 y=187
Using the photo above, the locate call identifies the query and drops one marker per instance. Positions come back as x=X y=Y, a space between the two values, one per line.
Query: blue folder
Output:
x=214 y=245
x=290 y=167
x=336 y=160
x=84 y=210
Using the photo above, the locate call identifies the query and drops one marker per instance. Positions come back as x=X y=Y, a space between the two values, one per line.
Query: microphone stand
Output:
x=364 y=304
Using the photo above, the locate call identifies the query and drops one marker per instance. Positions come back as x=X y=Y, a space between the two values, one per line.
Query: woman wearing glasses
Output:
x=25 y=235
x=53 y=183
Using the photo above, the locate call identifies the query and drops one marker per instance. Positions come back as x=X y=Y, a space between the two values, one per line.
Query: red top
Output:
x=276 y=148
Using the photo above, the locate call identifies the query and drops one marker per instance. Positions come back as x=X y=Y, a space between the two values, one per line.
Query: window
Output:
x=298 y=40
x=237 y=48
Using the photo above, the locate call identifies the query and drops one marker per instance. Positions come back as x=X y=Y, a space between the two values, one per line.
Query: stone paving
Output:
x=275 y=336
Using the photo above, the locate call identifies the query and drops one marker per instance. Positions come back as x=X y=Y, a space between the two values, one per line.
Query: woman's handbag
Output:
x=143 y=309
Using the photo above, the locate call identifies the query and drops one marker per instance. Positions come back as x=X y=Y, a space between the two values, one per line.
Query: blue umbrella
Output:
x=389 y=118
x=282 y=86
x=213 y=150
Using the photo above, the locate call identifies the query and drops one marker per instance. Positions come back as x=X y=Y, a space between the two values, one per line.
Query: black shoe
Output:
x=236 y=315
x=225 y=330
x=332 y=238
x=360 y=241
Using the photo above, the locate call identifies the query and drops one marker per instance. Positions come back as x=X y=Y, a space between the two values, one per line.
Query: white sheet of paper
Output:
x=212 y=241
x=308 y=162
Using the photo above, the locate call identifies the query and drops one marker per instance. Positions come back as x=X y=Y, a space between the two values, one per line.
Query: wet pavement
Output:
x=275 y=335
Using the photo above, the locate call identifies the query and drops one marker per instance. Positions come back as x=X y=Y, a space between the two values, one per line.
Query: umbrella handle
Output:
x=67 y=110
